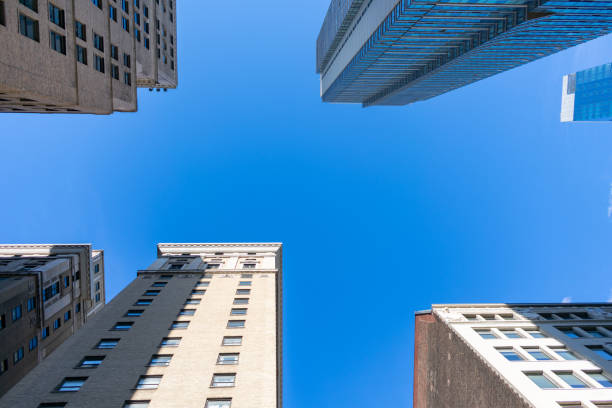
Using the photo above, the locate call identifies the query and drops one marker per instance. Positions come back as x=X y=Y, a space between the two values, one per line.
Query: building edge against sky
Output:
x=85 y=56
x=587 y=95
x=200 y=327
x=396 y=52
x=47 y=294
x=514 y=355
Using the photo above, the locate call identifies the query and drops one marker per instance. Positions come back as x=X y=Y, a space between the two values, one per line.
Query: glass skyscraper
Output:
x=587 y=95
x=396 y=52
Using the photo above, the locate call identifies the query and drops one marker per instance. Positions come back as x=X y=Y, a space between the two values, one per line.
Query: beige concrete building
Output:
x=514 y=356
x=200 y=327
x=85 y=56
x=47 y=293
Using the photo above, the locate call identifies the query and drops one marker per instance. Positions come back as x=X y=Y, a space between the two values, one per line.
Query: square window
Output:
x=223 y=380
x=106 y=344
x=160 y=360
x=71 y=384
x=148 y=382
x=91 y=362
x=123 y=326
x=232 y=340
x=235 y=324
x=227 y=358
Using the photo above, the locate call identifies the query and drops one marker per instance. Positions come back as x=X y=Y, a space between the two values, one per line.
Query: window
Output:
x=218 y=403
x=148 y=382
x=3 y=366
x=537 y=354
x=202 y=284
x=510 y=354
x=227 y=358
x=97 y=3
x=136 y=404
x=112 y=12
x=99 y=63
x=198 y=292
x=71 y=384
x=106 y=344
x=99 y=42
x=145 y=11
x=192 y=302
x=51 y=291
x=486 y=334
x=541 y=381
x=125 y=23
x=536 y=334
x=56 y=16
x=565 y=354
x=234 y=324
x=18 y=355
x=243 y=291
x=238 y=311
x=151 y=292
x=160 y=360
x=123 y=326
x=97 y=294
x=2 y=20
x=223 y=380
x=232 y=340
x=57 y=323
x=582 y=315
x=156 y=284
x=187 y=312
x=241 y=301
x=57 y=43
x=134 y=312
x=96 y=268
x=81 y=54
x=179 y=325
x=31 y=303
x=77 y=308
x=31 y=4
x=28 y=27
x=245 y=283
x=97 y=286
x=171 y=341
x=33 y=343
x=246 y=275
x=175 y=266
x=601 y=352
x=114 y=52
x=569 y=332
x=165 y=276
x=143 y=302
x=146 y=43
x=571 y=380
x=16 y=313
x=602 y=379
x=127 y=63
x=570 y=405
x=507 y=316
x=125 y=6
x=91 y=362
x=137 y=18
x=248 y=266
x=593 y=332
x=45 y=333
x=52 y=404
x=67 y=316
x=2 y=321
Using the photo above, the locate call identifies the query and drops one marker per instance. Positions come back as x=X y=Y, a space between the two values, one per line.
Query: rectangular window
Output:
x=56 y=16
x=99 y=63
x=4 y=366
x=31 y=303
x=98 y=42
x=241 y=301
x=57 y=42
x=593 y=332
x=569 y=332
x=246 y=275
x=66 y=278
x=601 y=352
x=137 y=18
x=16 y=313
x=160 y=360
x=97 y=294
x=248 y=266
x=45 y=333
x=143 y=302
x=31 y=4
x=125 y=6
x=97 y=3
x=238 y=311
x=127 y=62
x=218 y=403
x=171 y=341
x=151 y=292
x=148 y=382
x=602 y=379
x=112 y=12
x=510 y=354
x=71 y=384
x=536 y=334
x=52 y=404
x=223 y=380
x=125 y=23
x=134 y=312
x=2 y=18
x=127 y=78
x=511 y=334
x=227 y=358
x=202 y=284
x=192 y=302
x=187 y=312
x=81 y=54
x=91 y=362
x=156 y=284
x=232 y=340
x=67 y=316
x=179 y=325
x=145 y=11
x=486 y=334
x=77 y=309
x=96 y=268
x=57 y=323
x=105 y=344
x=565 y=354
x=136 y=404
x=571 y=380
x=28 y=27
x=245 y=283
x=97 y=285
x=114 y=52
x=537 y=354
x=18 y=355
x=235 y=324
x=541 y=381
x=146 y=43
x=123 y=326
x=243 y=291
x=33 y=343
x=198 y=292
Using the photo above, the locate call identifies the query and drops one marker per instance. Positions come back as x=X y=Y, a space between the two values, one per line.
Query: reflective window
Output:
x=148 y=382
x=71 y=384
x=223 y=380
x=91 y=361
x=541 y=381
x=161 y=360
x=571 y=380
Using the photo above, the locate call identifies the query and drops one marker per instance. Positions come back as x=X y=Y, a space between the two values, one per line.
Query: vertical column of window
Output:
x=127 y=75
x=57 y=41
x=98 y=42
x=114 y=57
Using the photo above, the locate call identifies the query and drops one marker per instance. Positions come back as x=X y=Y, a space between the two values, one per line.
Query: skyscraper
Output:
x=47 y=293
x=85 y=56
x=396 y=52
x=200 y=327
x=514 y=356
x=587 y=95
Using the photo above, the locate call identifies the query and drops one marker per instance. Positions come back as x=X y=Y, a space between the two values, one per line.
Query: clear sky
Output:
x=479 y=195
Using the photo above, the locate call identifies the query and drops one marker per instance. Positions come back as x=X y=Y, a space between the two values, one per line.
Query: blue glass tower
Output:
x=587 y=95
x=396 y=52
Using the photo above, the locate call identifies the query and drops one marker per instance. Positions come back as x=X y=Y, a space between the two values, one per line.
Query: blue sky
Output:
x=479 y=195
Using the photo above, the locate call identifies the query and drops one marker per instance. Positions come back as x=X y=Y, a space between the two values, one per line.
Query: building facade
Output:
x=396 y=52
x=47 y=293
x=86 y=56
x=200 y=327
x=587 y=95
x=514 y=356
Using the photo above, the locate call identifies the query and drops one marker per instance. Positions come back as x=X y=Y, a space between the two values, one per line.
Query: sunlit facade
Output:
x=587 y=95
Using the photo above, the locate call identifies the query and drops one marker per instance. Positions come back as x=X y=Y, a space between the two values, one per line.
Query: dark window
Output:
x=114 y=52
x=123 y=326
x=66 y=281
x=145 y=11
x=2 y=19
x=99 y=42
x=127 y=60
x=16 y=313
x=28 y=27
x=81 y=54
x=31 y=4
x=45 y=332
x=33 y=343
x=114 y=71
x=77 y=308
x=112 y=12
x=31 y=303
x=143 y=302
x=3 y=366
x=56 y=15
x=156 y=284
x=134 y=312
x=151 y=292
x=71 y=384
x=99 y=63
x=91 y=362
x=51 y=291
x=57 y=323
x=67 y=316
x=125 y=5
x=97 y=268
x=2 y=321
x=52 y=405
x=97 y=3
x=125 y=23
x=18 y=355
x=107 y=343
x=161 y=360
x=146 y=43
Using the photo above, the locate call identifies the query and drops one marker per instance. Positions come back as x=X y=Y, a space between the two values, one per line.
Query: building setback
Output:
x=396 y=52
x=85 y=56
x=200 y=327
x=514 y=356
x=47 y=294
x=587 y=95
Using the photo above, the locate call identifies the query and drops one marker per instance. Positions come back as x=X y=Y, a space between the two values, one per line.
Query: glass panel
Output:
x=223 y=380
x=541 y=381
x=136 y=404
x=486 y=334
x=566 y=354
x=511 y=334
x=218 y=403
x=538 y=355
x=593 y=332
x=511 y=355
x=569 y=332
x=160 y=360
x=572 y=380
x=536 y=334
x=601 y=352
x=601 y=379
x=71 y=384
x=232 y=341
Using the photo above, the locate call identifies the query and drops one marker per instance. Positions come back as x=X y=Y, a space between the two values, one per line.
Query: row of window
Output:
x=510 y=333
x=570 y=379
x=17 y=312
x=536 y=353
